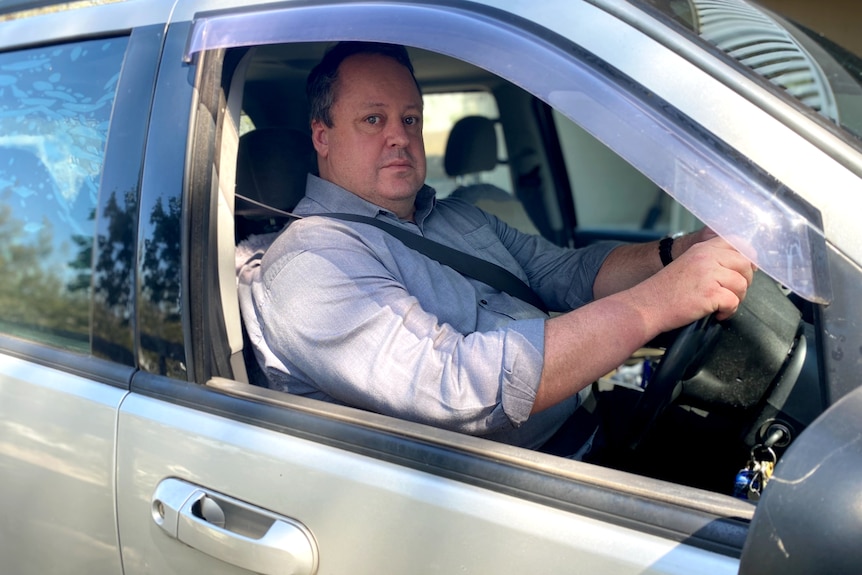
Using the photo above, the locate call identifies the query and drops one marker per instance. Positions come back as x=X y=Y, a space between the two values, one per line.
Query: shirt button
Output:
x=483 y=301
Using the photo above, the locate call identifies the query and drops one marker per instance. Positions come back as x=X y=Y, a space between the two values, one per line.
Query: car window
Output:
x=618 y=144
x=442 y=112
x=55 y=108
x=610 y=195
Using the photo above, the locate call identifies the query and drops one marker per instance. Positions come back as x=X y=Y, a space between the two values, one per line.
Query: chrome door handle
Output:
x=234 y=531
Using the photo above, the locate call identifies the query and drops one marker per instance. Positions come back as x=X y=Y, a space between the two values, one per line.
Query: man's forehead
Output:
x=363 y=66
x=364 y=78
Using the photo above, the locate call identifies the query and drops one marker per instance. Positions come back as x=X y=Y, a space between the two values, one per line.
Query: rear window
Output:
x=442 y=112
x=55 y=109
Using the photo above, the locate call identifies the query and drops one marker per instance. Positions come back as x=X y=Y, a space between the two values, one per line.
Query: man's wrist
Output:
x=666 y=248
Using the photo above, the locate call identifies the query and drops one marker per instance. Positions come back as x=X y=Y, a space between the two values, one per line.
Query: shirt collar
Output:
x=426 y=199
x=335 y=199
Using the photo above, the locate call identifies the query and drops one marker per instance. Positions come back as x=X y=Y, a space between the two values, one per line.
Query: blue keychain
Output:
x=752 y=479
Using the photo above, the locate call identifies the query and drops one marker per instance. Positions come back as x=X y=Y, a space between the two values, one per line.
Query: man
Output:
x=349 y=314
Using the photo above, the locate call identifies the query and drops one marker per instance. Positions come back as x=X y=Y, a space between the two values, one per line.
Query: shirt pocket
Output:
x=495 y=305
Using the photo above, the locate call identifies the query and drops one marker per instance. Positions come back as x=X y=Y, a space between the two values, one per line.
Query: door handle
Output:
x=234 y=531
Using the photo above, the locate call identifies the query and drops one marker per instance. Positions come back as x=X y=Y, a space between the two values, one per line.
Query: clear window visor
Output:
x=756 y=214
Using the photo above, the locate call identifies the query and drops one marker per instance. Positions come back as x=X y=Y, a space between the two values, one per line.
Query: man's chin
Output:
x=403 y=184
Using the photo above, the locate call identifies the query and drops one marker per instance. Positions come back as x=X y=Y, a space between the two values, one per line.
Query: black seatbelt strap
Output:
x=484 y=271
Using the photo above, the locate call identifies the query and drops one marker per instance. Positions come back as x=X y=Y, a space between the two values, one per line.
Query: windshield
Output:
x=816 y=71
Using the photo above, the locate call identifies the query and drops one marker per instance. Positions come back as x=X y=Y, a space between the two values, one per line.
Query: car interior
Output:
x=716 y=391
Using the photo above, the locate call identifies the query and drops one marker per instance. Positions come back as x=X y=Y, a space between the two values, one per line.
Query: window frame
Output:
x=163 y=332
x=710 y=521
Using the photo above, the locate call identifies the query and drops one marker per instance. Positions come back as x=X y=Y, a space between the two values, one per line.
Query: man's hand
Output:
x=682 y=243
x=708 y=277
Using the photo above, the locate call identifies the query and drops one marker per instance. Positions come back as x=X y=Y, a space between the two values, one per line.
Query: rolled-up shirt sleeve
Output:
x=523 y=358
x=341 y=323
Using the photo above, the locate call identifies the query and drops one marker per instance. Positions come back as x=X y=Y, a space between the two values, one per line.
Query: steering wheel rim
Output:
x=685 y=353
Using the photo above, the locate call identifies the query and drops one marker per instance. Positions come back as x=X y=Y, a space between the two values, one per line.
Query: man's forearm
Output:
x=630 y=264
x=586 y=343
x=582 y=345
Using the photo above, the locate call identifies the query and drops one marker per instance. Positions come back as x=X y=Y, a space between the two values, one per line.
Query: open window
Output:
x=586 y=155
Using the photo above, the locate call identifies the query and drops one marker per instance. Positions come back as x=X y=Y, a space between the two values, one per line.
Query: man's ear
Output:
x=320 y=138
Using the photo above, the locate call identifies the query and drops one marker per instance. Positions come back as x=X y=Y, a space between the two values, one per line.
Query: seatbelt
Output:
x=468 y=265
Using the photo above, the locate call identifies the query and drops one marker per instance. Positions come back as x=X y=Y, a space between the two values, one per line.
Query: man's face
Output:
x=374 y=147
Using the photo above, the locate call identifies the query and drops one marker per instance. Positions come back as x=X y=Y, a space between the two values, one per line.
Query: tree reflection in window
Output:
x=55 y=108
x=162 y=349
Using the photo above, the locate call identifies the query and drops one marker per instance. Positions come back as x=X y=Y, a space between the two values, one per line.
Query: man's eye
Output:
x=411 y=120
x=373 y=120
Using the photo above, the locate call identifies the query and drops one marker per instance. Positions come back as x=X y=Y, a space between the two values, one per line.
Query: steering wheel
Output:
x=686 y=352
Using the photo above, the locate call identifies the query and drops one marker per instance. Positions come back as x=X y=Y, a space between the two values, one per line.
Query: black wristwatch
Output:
x=664 y=250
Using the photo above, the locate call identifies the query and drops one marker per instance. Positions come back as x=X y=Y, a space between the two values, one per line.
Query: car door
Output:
x=71 y=140
x=216 y=475
x=309 y=487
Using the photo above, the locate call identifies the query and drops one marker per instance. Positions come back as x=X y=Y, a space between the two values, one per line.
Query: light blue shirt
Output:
x=348 y=314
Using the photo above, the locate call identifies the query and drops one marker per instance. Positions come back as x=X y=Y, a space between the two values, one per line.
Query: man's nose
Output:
x=396 y=135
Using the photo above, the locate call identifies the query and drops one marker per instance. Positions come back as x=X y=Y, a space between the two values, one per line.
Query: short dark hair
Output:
x=320 y=86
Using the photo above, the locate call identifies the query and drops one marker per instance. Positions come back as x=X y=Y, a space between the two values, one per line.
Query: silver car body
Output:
x=101 y=464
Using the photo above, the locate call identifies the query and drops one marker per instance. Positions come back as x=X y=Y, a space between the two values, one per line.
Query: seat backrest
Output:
x=471 y=147
x=272 y=167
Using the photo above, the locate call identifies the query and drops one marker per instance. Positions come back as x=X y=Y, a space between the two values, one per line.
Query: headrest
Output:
x=472 y=147
x=272 y=167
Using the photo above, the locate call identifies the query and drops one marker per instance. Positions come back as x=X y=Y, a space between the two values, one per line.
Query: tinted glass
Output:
x=816 y=71
x=55 y=107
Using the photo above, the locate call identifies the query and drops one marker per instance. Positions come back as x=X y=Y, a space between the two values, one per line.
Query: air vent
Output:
x=756 y=40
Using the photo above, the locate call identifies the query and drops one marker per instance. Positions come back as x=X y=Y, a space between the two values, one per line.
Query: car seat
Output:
x=470 y=150
x=272 y=167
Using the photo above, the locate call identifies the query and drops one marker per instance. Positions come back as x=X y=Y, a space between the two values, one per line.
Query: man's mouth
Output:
x=398 y=164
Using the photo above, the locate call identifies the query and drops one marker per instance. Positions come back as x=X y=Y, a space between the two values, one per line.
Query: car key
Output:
x=747 y=480
x=752 y=479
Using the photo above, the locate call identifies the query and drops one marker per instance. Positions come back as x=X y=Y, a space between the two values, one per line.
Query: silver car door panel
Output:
x=367 y=515
x=57 y=466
